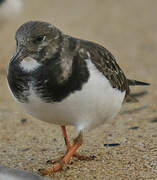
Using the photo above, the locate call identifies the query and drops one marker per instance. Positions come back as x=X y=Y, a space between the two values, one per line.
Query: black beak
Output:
x=19 y=55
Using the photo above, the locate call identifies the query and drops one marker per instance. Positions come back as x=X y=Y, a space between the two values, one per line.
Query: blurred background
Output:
x=128 y=29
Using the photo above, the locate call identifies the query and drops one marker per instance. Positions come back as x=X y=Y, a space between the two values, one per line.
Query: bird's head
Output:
x=37 y=40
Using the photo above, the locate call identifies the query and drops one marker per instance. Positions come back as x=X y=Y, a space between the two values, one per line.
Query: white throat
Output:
x=28 y=64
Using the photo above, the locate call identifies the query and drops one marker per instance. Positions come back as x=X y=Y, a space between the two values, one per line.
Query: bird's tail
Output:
x=132 y=82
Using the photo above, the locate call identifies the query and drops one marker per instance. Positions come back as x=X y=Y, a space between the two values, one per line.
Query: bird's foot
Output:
x=76 y=155
x=65 y=159
x=56 y=160
x=61 y=163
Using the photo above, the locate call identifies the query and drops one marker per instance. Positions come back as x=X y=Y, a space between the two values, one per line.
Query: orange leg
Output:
x=68 y=146
x=67 y=143
x=77 y=143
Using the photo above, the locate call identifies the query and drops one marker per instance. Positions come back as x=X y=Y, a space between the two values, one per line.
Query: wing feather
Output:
x=106 y=63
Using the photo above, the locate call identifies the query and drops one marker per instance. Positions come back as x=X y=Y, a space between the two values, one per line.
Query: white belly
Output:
x=96 y=102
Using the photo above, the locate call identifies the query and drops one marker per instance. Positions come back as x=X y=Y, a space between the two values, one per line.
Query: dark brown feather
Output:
x=106 y=63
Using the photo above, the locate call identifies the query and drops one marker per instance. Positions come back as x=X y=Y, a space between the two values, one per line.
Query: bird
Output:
x=65 y=81
x=10 y=8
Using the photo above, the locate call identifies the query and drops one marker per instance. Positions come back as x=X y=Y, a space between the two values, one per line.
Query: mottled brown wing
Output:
x=106 y=63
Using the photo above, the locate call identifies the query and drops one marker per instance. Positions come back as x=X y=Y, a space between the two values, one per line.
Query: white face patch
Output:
x=28 y=64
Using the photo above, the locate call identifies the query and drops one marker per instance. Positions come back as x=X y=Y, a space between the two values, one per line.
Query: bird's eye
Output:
x=39 y=39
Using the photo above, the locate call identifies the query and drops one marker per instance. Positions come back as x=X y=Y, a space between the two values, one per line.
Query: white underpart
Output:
x=10 y=7
x=95 y=103
x=29 y=64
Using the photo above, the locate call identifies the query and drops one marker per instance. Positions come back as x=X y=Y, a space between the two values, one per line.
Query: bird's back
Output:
x=105 y=63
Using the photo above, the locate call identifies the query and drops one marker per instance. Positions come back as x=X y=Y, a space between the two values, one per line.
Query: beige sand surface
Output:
x=128 y=29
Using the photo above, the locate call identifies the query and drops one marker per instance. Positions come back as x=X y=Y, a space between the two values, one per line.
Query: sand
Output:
x=128 y=29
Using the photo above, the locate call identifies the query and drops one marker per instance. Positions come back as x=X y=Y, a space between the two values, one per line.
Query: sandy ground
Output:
x=128 y=29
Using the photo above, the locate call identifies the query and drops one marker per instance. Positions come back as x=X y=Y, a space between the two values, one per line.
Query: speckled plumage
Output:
x=66 y=81
x=53 y=66
x=59 y=59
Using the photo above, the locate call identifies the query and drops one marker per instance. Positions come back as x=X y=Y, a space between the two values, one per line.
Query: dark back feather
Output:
x=106 y=63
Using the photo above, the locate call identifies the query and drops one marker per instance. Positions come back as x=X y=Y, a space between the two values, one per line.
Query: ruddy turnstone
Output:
x=66 y=81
